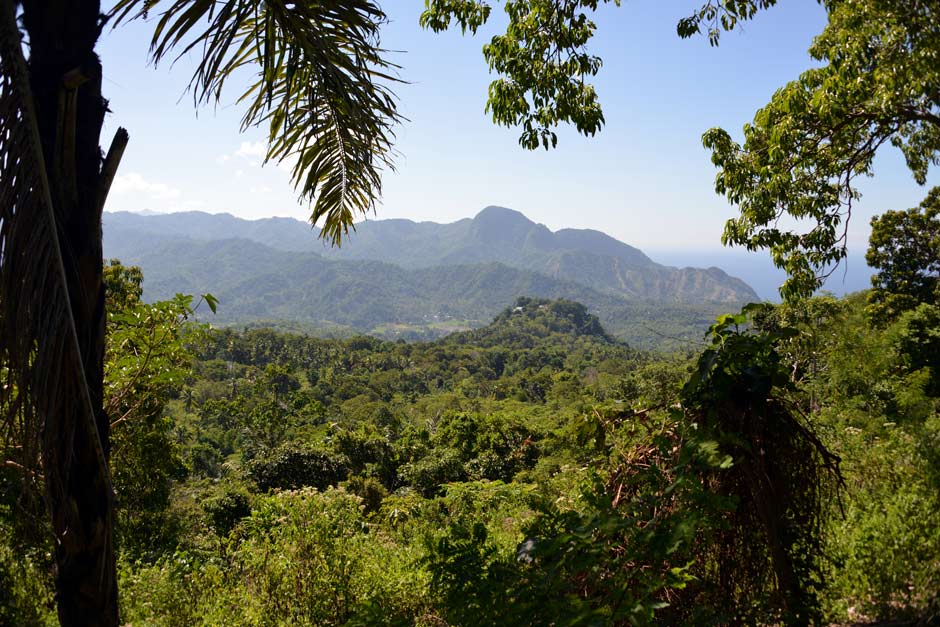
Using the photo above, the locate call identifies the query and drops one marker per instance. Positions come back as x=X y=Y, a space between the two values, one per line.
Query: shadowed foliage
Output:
x=780 y=483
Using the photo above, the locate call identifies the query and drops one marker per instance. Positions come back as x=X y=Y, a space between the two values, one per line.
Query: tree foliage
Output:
x=145 y=364
x=543 y=62
x=905 y=249
x=802 y=154
x=781 y=480
x=716 y=16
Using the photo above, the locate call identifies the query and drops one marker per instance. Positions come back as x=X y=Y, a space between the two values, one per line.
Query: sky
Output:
x=644 y=179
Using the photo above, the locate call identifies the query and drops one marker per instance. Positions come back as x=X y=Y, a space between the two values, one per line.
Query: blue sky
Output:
x=644 y=179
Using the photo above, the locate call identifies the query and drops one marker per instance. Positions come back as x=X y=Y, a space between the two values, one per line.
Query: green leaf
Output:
x=211 y=301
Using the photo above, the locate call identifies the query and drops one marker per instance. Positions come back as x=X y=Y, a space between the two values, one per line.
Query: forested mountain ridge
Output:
x=257 y=284
x=496 y=234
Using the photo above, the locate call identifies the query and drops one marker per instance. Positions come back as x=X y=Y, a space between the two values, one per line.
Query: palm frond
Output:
x=322 y=86
x=41 y=371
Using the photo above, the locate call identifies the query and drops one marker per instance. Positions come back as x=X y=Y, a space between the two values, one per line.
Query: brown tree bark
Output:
x=65 y=76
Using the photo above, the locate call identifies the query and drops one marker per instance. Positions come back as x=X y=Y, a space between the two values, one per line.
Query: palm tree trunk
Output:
x=65 y=77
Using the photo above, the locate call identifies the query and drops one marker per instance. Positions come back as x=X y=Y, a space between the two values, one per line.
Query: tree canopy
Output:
x=878 y=84
x=543 y=63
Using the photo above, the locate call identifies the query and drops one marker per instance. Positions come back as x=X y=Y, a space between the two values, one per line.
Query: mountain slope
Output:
x=257 y=284
x=254 y=281
x=125 y=228
x=496 y=234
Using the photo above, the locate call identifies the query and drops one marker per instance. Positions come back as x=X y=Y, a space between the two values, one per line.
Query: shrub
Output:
x=294 y=466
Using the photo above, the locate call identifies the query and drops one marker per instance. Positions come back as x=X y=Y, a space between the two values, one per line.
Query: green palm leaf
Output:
x=321 y=85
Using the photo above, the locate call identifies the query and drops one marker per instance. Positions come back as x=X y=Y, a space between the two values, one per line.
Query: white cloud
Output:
x=288 y=163
x=134 y=183
x=252 y=151
x=252 y=154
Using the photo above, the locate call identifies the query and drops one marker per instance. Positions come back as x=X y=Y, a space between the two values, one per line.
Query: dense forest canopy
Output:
x=513 y=474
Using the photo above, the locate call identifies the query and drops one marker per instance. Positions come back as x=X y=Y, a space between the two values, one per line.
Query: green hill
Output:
x=258 y=285
x=529 y=322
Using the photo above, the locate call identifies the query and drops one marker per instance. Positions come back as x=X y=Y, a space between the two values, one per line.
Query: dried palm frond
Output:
x=41 y=369
x=322 y=87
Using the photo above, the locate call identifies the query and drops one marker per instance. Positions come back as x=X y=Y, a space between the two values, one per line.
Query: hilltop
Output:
x=530 y=322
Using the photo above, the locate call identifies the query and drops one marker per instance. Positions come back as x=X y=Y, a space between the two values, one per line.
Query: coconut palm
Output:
x=322 y=89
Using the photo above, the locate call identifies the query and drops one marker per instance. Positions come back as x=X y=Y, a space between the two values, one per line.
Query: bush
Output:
x=226 y=510
x=887 y=547
x=25 y=590
x=292 y=466
x=370 y=490
x=301 y=558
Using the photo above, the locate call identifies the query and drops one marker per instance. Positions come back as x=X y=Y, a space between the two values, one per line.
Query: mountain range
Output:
x=417 y=279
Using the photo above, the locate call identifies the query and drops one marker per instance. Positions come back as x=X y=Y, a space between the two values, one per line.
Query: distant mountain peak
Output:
x=501 y=227
x=495 y=212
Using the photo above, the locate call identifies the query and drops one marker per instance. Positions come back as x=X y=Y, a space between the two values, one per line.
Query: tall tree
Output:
x=322 y=89
x=905 y=248
x=51 y=292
